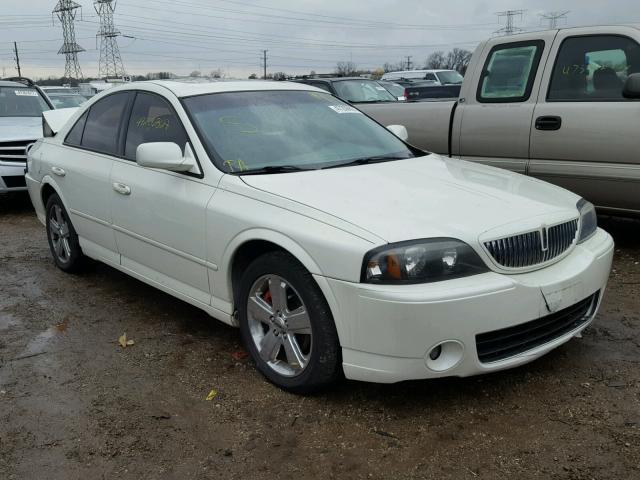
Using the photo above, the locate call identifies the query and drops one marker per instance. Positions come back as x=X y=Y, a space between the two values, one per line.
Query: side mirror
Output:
x=399 y=131
x=164 y=155
x=632 y=86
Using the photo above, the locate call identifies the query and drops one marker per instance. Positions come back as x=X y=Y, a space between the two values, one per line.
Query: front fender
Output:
x=283 y=241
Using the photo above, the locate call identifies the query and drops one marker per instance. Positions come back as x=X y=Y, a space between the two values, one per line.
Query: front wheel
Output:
x=287 y=326
x=63 y=239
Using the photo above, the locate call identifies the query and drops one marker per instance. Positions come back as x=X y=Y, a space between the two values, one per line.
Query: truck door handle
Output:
x=122 y=189
x=550 y=122
x=58 y=171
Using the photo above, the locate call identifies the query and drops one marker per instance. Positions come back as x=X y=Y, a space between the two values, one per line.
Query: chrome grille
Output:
x=14 y=151
x=533 y=248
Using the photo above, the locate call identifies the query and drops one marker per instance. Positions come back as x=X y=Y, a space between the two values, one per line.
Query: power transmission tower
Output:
x=264 y=64
x=553 y=17
x=17 y=59
x=510 y=28
x=65 y=10
x=110 y=64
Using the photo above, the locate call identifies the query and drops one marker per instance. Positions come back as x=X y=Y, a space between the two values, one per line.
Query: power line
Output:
x=66 y=13
x=553 y=17
x=509 y=28
x=110 y=64
x=408 y=62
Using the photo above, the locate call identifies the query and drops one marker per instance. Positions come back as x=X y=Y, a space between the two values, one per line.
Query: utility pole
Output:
x=110 y=64
x=553 y=17
x=15 y=49
x=509 y=28
x=408 y=62
x=264 y=64
x=66 y=13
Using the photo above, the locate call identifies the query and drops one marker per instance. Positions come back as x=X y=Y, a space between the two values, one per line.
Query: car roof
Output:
x=188 y=89
x=6 y=83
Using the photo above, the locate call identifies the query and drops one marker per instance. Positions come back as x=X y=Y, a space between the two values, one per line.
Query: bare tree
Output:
x=435 y=61
x=217 y=73
x=279 y=76
x=392 y=67
x=346 y=69
x=458 y=59
x=195 y=73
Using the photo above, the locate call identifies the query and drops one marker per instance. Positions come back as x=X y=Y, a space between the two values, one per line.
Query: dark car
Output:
x=352 y=89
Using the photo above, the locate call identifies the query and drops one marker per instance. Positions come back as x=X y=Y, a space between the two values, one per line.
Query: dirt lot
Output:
x=75 y=405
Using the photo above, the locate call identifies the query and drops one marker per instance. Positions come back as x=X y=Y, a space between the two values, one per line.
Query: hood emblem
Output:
x=544 y=238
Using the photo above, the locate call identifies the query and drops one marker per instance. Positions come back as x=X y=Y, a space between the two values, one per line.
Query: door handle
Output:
x=58 y=171
x=121 y=188
x=550 y=122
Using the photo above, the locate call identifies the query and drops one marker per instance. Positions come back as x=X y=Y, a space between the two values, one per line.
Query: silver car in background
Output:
x=21 y=107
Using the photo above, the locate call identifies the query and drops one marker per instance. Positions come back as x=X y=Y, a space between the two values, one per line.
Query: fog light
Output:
x=435 y=352
x=445 y=355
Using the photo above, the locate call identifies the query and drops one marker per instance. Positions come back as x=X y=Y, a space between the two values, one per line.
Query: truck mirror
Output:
x=632 y=87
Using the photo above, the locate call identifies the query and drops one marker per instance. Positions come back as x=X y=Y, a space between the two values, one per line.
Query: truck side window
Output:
x=509 y=72
x=593 y=68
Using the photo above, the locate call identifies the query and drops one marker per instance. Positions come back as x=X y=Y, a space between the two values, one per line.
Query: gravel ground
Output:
x=76 y=405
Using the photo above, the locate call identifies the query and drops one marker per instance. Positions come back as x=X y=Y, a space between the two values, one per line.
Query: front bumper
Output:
x=12 y=177
x=387 y=332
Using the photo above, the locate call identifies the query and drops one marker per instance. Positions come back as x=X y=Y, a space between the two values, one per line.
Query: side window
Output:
x=322 y=85
x=593 y=68
x=430 y=76
x=74 y=137
x=103 y=124
x=152 y=120
x=509 y=72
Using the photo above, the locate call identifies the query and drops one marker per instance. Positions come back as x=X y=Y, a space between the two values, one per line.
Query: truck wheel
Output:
x=63 y=239
x=287 y=326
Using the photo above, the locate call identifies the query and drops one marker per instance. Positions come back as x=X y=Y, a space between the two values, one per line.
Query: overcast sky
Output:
x=185 y=35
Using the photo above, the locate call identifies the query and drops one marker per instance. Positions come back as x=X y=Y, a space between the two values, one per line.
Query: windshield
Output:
x=450 y=77
x=394 y=89
x=245 y=131
x=21 y=102
x=66 y=101
x=361 y=91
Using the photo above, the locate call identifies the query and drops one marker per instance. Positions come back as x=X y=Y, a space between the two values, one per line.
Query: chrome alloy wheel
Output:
x=279 y=324
x=59 y=233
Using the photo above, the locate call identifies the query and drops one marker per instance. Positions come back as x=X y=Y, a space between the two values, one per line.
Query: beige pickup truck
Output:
x=561 y=105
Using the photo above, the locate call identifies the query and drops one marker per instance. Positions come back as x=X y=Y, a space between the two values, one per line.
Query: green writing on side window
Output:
x=156 y=123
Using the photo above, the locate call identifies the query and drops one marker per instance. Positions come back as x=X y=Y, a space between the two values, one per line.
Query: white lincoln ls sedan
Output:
x=336 y=247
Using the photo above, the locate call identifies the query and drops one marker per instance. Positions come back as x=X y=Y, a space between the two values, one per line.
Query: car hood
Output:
x=426 y=197
x=20 y=128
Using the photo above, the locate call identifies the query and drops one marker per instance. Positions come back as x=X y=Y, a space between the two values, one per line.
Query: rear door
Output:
x=499 y=99
x=586 y=135
x=82 y=169
x=158 y=215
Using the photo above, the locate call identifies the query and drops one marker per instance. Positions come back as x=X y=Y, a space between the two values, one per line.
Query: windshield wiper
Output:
x=272 y=169
x=368 y=160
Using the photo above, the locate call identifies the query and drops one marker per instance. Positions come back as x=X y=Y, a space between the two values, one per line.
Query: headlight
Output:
x=421 y=261
x=588 y=220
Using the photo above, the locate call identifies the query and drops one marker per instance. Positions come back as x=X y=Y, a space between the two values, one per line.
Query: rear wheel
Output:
x=63 y=239
x=287 y=326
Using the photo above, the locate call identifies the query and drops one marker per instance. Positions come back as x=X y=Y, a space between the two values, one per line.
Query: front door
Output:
x=158 y=215
x=495 y=119
x=592 y=148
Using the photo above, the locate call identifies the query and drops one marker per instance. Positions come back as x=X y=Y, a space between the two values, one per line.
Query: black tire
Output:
x=75 y=261
x=325 y=362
